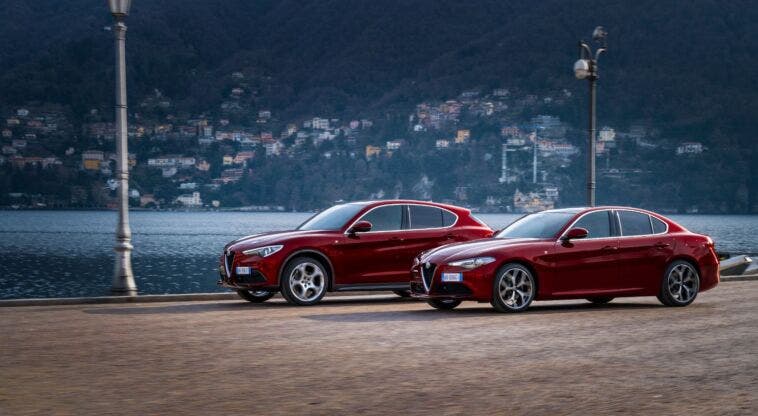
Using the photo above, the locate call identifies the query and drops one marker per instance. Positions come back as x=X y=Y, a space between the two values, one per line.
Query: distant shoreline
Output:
x=274 y=211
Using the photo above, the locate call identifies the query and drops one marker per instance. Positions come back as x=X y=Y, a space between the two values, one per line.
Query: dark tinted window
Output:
x=597 y=224
x=544 y=224
x=658 y=225
x=386 y=218
x=448 y=218
x=425 y=217
x=635 y=223
x=333 y=218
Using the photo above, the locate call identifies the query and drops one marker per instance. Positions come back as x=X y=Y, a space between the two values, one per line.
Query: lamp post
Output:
x=586 y=68
x=123 y=279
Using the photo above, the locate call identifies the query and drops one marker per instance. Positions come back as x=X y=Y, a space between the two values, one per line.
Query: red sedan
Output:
x=580 y=253
x=354 y=246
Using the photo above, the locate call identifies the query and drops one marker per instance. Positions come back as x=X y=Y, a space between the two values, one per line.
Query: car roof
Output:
x=577 y=210
x=379 y=202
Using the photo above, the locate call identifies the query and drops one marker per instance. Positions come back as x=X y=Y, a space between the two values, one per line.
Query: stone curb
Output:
x=186 y=297
x=739 y=278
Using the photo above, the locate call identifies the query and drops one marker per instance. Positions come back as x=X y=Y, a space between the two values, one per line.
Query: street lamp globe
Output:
x=581 y=69
x=119 y=8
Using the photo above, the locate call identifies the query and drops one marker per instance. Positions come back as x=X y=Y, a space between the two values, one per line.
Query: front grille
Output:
x=254 y=277
x=229 y=262
x=452 y=289
x=427 y=273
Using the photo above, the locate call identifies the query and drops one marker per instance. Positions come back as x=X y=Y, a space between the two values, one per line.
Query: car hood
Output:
x=270 y=238
x=457 y=251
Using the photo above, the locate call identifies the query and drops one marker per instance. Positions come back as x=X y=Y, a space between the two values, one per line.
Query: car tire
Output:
x=600 y=300
x=444 y=304
x=255 y=296
x=402 y=293
x=304 y=281
x=680 y=284
x=513 y=288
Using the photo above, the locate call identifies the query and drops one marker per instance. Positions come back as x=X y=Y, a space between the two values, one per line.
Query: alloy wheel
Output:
x=307 y=282
x=514 y=288
x=683 y=283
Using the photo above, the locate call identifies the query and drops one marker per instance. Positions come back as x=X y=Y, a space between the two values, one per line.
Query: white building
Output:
x=181 y=162
x=274 y=148
x=190 y=200
x=320 y=123
x=690 y=148
x=606 y=134
x=394 y=144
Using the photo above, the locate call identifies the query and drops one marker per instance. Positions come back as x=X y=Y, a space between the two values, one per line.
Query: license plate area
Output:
x=452 y=277
x=242 y=270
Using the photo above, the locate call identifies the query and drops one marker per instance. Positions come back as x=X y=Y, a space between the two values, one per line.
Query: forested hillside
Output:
x=687 y=70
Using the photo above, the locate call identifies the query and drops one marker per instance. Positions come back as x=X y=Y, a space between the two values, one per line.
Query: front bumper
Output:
x=263 y=273
x=476 y=284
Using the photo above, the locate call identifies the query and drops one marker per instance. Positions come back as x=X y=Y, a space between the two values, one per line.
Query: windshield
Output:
x=333 y=218
x=544 y=224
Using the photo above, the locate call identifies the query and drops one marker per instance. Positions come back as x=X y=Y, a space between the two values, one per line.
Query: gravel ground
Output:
x=383 y=356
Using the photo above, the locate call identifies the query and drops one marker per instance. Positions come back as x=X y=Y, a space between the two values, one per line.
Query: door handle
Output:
x=609 y=248
x=449 y=237
x=661 y=245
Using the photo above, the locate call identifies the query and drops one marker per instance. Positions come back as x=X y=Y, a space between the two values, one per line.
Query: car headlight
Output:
x=262 y=251
x=472 y=263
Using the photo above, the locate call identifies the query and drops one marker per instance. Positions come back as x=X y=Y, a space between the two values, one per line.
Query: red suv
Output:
x=353 y=246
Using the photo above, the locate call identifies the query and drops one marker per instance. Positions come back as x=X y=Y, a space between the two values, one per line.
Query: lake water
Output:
x=70 y=253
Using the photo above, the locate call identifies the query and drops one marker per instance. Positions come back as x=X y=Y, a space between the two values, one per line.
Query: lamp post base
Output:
x=124 y=292
x=123 y=278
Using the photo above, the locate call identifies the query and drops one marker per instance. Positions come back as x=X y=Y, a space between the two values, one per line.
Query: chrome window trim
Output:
x=409 y=219
x=615 y=213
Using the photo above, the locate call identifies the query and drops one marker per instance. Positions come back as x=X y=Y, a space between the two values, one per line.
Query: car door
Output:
x=375 y=256
x=644 y=250
x=429 y=227
x=588 y=265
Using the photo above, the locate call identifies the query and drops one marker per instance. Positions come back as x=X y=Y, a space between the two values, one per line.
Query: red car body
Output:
x=375 y=260
x=614 y=265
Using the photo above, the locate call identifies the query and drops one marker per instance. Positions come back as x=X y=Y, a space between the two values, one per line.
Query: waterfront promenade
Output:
x=384 y=355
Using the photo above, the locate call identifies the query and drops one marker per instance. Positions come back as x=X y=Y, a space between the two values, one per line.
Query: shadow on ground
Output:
x=468 y=312
x=369 y=316
x=237 y=306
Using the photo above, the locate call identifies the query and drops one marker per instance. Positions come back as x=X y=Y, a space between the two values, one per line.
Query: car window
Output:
x=597 y=224
x=658 y=225
x=635 y=223
x=448 y=218
x=545 y=224
x=425 y=217
x=385 y=218
x=333 y=218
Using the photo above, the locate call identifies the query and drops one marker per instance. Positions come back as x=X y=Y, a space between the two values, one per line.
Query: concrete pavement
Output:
x=382 y=356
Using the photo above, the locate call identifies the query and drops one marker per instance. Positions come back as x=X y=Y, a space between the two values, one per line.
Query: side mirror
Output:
x=360 y=227
x=575 y=233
